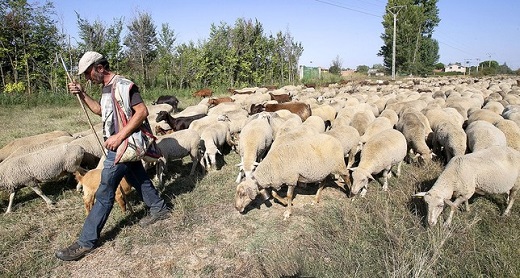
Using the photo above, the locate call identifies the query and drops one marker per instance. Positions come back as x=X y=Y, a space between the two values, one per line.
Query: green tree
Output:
x=29 y=40
x=416 y=50
x=362 y=68
x=141 y=41
x=335 y=67
x=97 y=36
x=166 y=52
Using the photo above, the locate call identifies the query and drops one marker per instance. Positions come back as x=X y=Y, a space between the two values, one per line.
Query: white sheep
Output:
x=482 y=134
x=391 y=115
x=38 y=167
x=306 y=160
x=380 y=153
x=213 y=138
x=483 y=115
x=450 y=139
x=512 y=132
x=177 y=145
x=255 y=139
x=13 y=145
x=361 y=120
x=349 y=138
x=36 y=146
x=376 y=126
x=494 y=170
x=416 y=129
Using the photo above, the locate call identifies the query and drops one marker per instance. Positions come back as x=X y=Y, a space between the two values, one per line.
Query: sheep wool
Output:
x=38 y=167
x=495 y=170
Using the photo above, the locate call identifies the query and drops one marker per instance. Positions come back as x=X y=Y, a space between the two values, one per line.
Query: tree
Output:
x=29 y=40
x=141 y=42
x=362 y=69
x=335 y=67
x=416 y=50
x=166 y=51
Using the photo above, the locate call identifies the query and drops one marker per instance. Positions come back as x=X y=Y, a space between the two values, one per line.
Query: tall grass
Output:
x=381 y=235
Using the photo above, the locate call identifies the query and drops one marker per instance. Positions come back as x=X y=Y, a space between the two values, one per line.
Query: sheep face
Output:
x=360 y=180
x=245 y=194
x=435 y=206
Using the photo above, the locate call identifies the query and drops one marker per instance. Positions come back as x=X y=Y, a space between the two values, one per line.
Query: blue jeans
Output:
x=111 y=176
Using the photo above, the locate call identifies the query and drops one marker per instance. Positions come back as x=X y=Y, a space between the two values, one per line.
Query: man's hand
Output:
x=75 y=88
x=113 y=142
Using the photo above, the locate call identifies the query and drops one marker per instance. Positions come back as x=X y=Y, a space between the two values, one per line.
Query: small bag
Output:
x=141 y=144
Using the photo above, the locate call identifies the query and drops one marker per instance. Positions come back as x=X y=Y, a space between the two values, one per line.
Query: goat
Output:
x=281 y=98
x=178 y=123
x=171 y=100
x=202 y=93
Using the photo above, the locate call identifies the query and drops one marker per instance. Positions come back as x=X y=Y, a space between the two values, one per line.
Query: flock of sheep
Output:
x=297 y=135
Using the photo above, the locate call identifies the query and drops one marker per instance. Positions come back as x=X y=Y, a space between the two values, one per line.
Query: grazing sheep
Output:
x=482 y=135
x=324 y=111
x=38 y=167
x=41 y=145
x=376 y=126
x=24 y=141
x=255 y=139
x=490 y=171
x=512 y=132
x=361 y=120
x=416 y=130
x=192 y=110
x=483 y=115
x=90 y=183
x=177 y=145
x=307 y=160
x=349 y=139
x=449 y=139
x=380 y=153
x=391 y=115
x=213 y=138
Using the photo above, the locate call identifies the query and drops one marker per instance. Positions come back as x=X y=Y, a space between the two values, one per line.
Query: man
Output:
x=96 y=69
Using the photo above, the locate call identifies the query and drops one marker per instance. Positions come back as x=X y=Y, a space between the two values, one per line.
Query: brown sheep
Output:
x=90 y=182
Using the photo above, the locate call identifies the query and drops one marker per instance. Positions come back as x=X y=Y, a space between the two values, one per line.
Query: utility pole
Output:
x=394 y=13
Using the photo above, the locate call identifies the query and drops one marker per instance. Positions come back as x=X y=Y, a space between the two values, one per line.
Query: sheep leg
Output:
x=38 y=191
x=280 y=199
x=11 y=199
x=398 y=172
x=454 y=206
x=511 y=200
x=290 y=193
x=318 y=193
x=386 y=173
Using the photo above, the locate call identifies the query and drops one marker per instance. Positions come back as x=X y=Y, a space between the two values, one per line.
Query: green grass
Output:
x=381 y=235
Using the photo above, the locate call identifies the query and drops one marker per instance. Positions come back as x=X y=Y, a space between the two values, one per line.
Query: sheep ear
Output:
x=420 y=194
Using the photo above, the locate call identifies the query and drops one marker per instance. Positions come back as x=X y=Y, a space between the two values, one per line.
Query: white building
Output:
x=455 y=68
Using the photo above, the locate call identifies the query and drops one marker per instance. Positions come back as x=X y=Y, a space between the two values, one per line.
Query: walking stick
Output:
x=82 y=106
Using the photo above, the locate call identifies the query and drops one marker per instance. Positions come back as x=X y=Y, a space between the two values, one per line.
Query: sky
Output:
x=470 y=31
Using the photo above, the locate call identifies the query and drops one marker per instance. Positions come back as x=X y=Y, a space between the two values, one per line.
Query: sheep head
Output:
x=435 y=206
x=360 y=179
x=246 y=192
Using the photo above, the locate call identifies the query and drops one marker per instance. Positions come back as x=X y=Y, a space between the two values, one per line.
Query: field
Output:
x=380 y=235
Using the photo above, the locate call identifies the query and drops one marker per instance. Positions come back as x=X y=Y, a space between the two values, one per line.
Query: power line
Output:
x=347 y=8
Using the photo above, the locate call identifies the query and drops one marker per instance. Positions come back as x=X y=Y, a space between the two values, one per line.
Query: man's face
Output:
x=95 y=74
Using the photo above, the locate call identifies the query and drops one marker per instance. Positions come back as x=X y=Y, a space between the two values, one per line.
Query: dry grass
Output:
x=381 y=235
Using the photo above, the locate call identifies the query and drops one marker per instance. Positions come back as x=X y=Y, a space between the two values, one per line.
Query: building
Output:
x=455 y=68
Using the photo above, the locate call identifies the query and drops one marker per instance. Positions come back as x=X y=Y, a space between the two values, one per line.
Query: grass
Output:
x=381 y=235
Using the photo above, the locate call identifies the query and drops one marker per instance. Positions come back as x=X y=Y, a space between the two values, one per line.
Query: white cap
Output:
x=89 y=58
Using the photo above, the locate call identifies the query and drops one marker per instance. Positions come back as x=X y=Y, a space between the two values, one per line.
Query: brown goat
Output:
x=161 y=131
x=216 y=101
x=202 y=93
x=299 y=108
x=90 y=182
x=280 y=98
